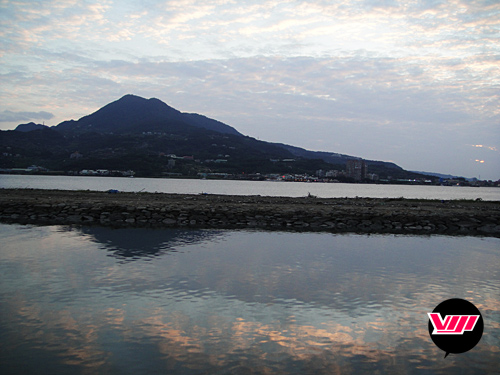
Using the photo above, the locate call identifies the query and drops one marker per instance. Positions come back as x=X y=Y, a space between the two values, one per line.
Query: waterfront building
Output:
x=356 y=169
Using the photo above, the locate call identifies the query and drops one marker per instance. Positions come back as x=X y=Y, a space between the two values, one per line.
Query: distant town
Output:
x=356 y=171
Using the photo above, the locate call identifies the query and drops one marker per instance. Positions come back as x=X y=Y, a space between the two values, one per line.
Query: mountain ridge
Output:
x=135 y=132
x=131 y=112
x=124 y=115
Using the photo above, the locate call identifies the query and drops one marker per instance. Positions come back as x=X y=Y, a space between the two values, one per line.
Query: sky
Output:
x=413 y=82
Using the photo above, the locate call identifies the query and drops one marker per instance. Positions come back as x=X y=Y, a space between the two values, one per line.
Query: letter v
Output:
x=438 y=323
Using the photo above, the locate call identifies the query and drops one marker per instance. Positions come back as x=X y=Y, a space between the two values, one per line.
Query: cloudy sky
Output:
x=416 y=82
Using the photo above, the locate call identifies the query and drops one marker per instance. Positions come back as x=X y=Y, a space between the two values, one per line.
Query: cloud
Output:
x=10 y=116
x=220 y=29
x=396 y=72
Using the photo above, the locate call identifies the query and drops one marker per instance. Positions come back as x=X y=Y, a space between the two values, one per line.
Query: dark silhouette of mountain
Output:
x=133 y=114
x=443 y=176
x=30 y=127
x=208 y=123
x=34 y=141
x=139 y=134
x=334 y=158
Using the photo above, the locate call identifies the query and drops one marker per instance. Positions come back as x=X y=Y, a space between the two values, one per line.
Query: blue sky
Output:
x=414 y=82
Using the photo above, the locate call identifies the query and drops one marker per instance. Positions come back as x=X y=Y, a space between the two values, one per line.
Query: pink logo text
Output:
x=452 y=324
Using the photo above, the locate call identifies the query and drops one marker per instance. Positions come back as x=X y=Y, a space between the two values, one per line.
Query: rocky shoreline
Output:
x=362 y=215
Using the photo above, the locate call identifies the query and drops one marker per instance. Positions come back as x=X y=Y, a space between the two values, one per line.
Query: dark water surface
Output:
x=140 y=301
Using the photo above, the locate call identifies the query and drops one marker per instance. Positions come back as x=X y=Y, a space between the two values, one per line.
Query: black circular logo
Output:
x=455 y=326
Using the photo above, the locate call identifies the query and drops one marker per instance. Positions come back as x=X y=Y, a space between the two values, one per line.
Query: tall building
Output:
x=356 y=169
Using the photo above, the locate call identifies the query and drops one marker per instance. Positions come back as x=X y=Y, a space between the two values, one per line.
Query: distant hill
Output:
x=441 y=175
x=145 y=134
x=30 y=127
x=133 y=114
x=332 y=157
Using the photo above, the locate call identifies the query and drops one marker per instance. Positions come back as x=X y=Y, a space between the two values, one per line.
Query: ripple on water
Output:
x=238 y=301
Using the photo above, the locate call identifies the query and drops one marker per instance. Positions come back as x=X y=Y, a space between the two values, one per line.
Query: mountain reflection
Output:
x=137 y=243
x=229 y=302
x=352 y=274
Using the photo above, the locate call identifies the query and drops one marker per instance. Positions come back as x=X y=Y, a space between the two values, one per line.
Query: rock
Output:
x=489 y=228
x=169 y=221
x=172 y=210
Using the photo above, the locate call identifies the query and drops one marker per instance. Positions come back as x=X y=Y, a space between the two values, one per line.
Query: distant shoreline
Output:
x=363 y=215
x=230 y=177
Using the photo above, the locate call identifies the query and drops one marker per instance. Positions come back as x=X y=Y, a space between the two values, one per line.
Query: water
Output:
x=143 y=301
x=232 y=187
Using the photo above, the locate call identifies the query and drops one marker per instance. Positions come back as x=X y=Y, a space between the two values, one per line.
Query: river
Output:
x=94 y=300
x=232 y=187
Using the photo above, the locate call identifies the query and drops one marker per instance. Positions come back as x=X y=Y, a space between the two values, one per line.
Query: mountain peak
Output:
x=29 y=127
x=136 y=132
x=133 y=114
x=138 y=100
x=138 y=103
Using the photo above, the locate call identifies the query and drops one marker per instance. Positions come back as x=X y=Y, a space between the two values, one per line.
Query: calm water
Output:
x=141 y=301
x=290 y=189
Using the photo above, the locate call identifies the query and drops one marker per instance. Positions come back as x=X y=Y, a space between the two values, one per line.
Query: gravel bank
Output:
x=224 y=211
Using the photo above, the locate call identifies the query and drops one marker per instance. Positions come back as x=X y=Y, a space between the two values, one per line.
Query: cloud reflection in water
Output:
x=238 y=301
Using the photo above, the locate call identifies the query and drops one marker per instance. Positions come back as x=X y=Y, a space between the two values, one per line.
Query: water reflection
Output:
x=238 y=302
x=139 y=243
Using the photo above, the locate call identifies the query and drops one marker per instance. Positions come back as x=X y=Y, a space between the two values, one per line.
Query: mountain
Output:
x=443 y=176
x=29 y=127
x=333 y=158
x=133 y=114
x=144 y=134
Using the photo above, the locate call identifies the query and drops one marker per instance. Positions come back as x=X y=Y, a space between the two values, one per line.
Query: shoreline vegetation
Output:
x=335 y=215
